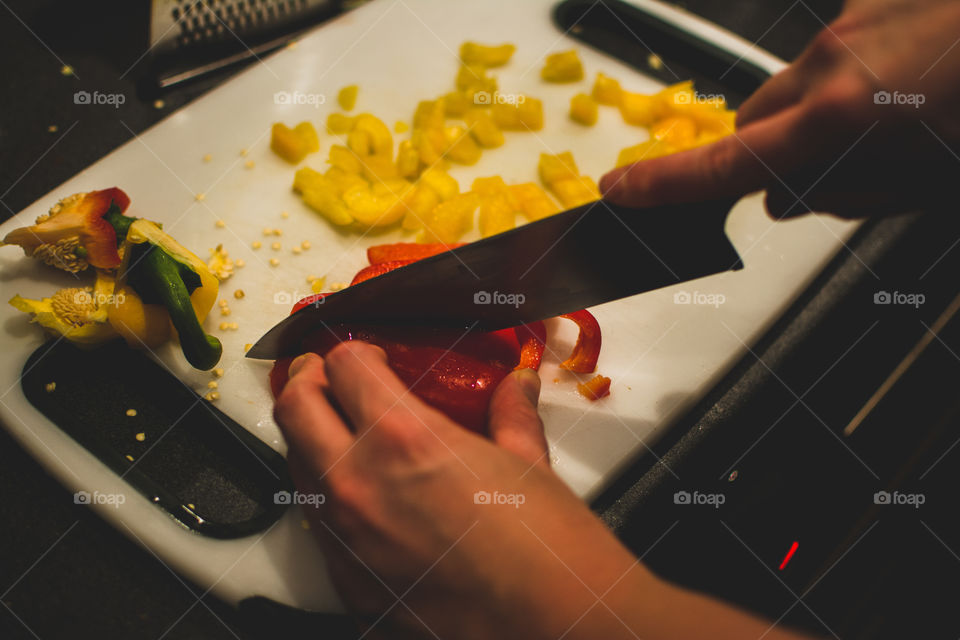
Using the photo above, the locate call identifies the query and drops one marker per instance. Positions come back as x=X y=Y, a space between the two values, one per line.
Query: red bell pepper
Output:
x=587 y=349
x=454 y=372
x=407 y=251
x=75 y=233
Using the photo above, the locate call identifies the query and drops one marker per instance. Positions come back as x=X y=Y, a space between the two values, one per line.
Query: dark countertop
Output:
x=64 y=572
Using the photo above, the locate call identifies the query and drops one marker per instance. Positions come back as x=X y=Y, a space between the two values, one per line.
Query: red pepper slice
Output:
x=407 y=251
x=587 y=349
x=378 y=269
x=595 y=388
x=455 y=373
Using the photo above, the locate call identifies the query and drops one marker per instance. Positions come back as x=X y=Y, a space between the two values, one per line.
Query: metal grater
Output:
x=190 y=38
x=179 y=24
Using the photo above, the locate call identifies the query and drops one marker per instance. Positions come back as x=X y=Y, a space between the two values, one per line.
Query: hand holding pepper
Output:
x=431 y=530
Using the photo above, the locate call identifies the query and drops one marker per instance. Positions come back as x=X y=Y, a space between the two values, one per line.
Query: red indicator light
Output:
x=786 y=558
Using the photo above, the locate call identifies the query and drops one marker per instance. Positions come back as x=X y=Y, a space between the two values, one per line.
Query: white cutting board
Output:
x=662 y=356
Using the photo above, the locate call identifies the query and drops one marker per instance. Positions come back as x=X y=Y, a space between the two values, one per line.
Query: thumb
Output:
x=514 y=423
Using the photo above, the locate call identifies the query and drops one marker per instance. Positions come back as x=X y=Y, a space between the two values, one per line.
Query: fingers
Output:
x=310 y=425
x=369 y=392
x=514 y=423
x=779 y=92
x=738 y=164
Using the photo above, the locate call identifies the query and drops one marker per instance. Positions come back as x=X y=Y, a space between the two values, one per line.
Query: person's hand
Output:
x=433 y=531
x=865 y=121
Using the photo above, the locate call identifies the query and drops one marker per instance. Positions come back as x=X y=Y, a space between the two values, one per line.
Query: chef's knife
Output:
x=576 y=259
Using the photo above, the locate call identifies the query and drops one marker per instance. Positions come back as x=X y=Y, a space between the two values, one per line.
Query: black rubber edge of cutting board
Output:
x=904 y=244
x=632 y=35
x=195 y=462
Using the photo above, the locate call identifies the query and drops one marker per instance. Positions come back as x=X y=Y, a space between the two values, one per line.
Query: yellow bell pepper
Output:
x=561 y=166
x=486 y=55
x=79 y=314
x=421 y=202
x=347 y=97
x=532 y=201
x=339 y=123
x=606 y=90
x=293 y=145
x=451 y=219
x=483 y=129
x=562 y=67
x=461 y=147
x=583 y=109
x=521 y=114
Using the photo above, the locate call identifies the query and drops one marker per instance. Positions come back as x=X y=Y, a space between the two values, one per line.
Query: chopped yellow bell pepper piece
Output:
x=347 y=97
x=341 y=180
x=451 y=219
x=576 y=191
x=421 y=203
x=380 y=205
x=532 y=201
x=647 y=150
x=379 y=167
x=429 y=114
x=293 y=145
x=562 y=67
x=606 y=90
x=640 y=109
x=339 y=123
x=400 y=126
x=520 y=115
x=344 y=158
x=489 y=187
x=408 y=160
x=456 y=103
x=378 y=134
x=483 y=129
x=306 y=178
x=488 y=56
x=553 y=168
x=583 y=109
x=497 y=211
x=461 y=147
x=329 y=204
x=441 y=182
x=473 y=79
x=676 y=131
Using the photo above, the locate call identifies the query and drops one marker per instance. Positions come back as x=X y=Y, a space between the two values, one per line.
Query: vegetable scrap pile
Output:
x=371 y=184
x=453 y=372
x=147 y=286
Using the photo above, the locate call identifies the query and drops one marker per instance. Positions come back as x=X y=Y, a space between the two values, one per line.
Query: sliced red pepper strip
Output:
x=532 y=338
x=303 y=302
x=587 y=350
x=595 y=388
x=379 y=269
x=407 y=251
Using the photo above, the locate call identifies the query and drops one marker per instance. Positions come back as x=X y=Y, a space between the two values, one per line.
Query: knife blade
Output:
x=575 y=259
